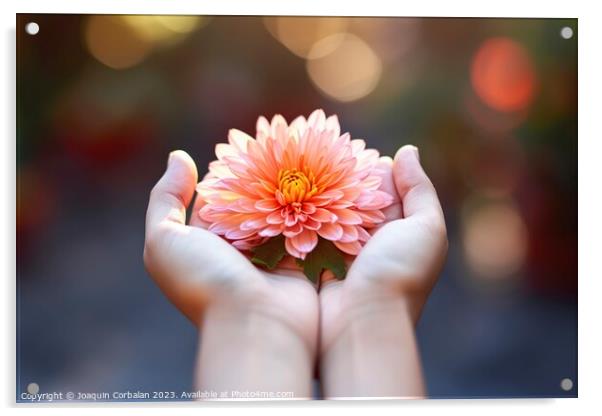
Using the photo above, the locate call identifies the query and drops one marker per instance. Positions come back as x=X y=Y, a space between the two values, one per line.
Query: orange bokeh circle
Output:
x=503 y=75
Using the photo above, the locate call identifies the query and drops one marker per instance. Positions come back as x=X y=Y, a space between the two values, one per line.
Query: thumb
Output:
x=173 y=192
x=417 y=193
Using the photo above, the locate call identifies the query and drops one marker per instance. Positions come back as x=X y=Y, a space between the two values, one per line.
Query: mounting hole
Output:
x=32 y=28
x=566 y=384
x=566 y=32
x=33 y=388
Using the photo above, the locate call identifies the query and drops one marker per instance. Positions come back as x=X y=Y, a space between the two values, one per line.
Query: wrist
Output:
x=372 y=351
x=265 y=301
x=367 y=308
x=258 y=313
x=378 y=301
x=248 y=347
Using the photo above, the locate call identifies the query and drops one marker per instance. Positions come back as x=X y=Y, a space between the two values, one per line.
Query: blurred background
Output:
x=491 y=103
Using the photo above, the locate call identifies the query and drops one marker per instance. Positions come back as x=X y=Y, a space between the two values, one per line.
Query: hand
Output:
x=391 y=277
x=198 y=271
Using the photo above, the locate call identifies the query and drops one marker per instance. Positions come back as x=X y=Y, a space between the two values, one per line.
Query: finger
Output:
x=417 y=193
x=173 y=192
x=393 y=211
x=195 y=218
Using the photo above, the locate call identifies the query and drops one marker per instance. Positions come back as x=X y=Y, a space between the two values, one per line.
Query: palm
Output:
x=403 y=255
x=376 y=271
x=331 y=302
x=295 y=300
x=204 y=274
x=195 y=267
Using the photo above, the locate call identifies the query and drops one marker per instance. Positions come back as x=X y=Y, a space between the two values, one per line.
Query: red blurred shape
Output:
x=106 y=147
x=503 y=75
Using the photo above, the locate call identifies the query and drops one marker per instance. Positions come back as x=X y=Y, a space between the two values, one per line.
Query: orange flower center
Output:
x=296 y=185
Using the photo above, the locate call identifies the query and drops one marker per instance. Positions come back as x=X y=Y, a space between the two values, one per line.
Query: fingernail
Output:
x=169 y=158
x=415 y=149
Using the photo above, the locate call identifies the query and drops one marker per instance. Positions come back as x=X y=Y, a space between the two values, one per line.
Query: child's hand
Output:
x=406 y=254
x=198 y=271
x=372 y=311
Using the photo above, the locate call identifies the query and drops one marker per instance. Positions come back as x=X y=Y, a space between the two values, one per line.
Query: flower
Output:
x=301 y=180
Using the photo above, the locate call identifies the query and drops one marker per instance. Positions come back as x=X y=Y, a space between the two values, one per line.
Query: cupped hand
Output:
x=197 y=269
x=402 y=260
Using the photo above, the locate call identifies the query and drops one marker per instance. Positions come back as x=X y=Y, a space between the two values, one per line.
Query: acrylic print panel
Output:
x=490 y=104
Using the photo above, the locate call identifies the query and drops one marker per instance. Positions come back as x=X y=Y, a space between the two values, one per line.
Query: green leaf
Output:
x=324 y=256
x=269 y=253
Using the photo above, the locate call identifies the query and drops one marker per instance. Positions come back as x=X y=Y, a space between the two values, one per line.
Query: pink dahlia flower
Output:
x=301 y=180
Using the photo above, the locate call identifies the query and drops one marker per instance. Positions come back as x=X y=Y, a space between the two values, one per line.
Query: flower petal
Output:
x=280 y=197
x=312 y=224
x=239 y=139
x=271 y=230
x=332 y=123
x=357 y=146
x=223 y=149
x=349 y=248
x=300 y=125
x=323 y=215
x=327 y=197
x=293 y=231
x=374 y=217
x=290 y=220
x=279 y=127
x=308 y=208
x=305 y=241
x=262 y=127
x=248 y=243
x=221 y=227
x=253 y=223
x=292 y=250
x=350 y=234
x=239 y=234
x=317 y=120
x=330 y=231
x=347 y=216
x=363 y=235
x=267 y=205
x=275 y=218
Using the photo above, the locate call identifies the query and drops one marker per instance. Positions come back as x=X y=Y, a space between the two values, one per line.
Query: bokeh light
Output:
x=349 y=71
x=503 y=74
x=299 y=34
x=111 y=41
x=182 y=24
x=124 y=41
x=494 y=239
x=162 y=29
x=392 y=38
